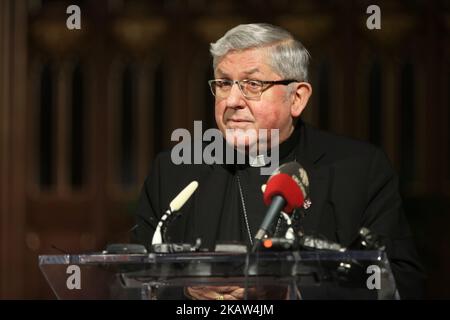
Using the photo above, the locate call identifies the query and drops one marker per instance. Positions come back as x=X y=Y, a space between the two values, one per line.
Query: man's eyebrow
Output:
x=254 y=70
x=223 y=74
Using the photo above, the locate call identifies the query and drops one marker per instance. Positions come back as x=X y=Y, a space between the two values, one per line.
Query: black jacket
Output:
x=352 y=185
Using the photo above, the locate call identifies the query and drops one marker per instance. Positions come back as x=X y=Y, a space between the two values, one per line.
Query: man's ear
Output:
x=300 y=98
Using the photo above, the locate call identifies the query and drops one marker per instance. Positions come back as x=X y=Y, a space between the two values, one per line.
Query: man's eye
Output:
x=254 y=84
x=222 y=84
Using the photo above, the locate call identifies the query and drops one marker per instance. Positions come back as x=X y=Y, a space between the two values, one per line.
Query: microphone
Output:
x=175 y=205
x=286 y=190
x=290 y=232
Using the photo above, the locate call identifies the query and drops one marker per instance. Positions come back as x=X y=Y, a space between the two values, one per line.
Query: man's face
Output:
x=271 y=111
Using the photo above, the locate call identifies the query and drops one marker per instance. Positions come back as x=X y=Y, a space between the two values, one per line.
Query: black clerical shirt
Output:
x=243 y=206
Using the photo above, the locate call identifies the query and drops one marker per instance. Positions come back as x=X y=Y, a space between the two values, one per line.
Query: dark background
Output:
x=82 y=113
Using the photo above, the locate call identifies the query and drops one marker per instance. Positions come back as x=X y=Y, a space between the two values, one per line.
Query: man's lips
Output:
x=239 y=120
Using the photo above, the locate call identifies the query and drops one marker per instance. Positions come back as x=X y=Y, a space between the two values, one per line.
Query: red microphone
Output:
x=283 y=185
x=286 y=191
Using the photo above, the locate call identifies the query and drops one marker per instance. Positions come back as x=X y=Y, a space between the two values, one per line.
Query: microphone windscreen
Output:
x=183 y=196
x=298 y=175
x=284 y=185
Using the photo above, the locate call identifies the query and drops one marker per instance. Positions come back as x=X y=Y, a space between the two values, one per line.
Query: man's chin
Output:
x=246 y=139
x=241 y=144
x=243 y=125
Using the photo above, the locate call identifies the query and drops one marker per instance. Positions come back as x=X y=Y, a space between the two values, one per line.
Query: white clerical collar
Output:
x=259 y=161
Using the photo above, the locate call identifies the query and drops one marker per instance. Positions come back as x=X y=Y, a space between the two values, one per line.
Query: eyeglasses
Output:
x=251 y=89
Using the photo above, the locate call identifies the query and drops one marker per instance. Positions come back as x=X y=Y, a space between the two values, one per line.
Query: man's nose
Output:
x=235 y=98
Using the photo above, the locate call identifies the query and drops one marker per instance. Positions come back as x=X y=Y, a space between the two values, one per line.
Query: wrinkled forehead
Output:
x=246 y=63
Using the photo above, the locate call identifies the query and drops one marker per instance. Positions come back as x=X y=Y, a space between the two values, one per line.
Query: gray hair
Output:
x=287 y=56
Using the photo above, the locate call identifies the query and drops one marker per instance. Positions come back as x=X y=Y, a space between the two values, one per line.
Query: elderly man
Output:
x=261 y=83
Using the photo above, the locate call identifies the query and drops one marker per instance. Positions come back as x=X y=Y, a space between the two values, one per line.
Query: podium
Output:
x=264 y=275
